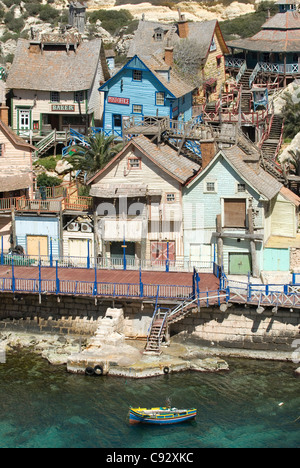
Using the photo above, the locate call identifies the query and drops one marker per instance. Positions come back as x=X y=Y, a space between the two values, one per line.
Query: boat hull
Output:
x=160 y=416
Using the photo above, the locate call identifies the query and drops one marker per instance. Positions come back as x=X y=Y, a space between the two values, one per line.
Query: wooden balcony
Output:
x=54 y=205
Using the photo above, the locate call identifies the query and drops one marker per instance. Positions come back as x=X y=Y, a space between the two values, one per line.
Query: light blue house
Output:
x=232 y=211
x=39 y=236
x=145 y=88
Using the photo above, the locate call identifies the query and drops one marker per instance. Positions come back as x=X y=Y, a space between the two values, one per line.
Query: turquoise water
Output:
x=44 y=407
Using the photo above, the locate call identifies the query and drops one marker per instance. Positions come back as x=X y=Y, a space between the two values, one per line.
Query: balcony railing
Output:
x=46 y=206
x=280 y=68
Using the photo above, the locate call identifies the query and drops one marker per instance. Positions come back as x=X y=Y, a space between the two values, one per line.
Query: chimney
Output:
x=183 y=27
x=169 y=56
x=208 y=151
x=4 y=114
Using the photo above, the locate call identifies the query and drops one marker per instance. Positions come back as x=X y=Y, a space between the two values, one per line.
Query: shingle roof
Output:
x=259 y=179
x=54 y=70
x=144 y=44
x=176 y=85
x=178 y=167
x=11 y=182
x=280 y=34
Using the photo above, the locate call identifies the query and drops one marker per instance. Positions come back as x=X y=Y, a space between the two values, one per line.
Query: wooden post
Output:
x=255 y=269
x=220 y=241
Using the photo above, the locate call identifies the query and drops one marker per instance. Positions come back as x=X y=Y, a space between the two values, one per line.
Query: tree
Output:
x=291 y=115
x=188 y=60
x=93 y=155
x=295 y=160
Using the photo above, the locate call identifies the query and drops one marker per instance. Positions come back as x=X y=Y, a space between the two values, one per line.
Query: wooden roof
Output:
x=201 y=33
x=55 y=69
x=163 y=156
x=281 y=33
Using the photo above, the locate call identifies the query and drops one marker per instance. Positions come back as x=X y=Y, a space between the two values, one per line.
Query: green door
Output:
x=117 y=252
x=239 y=263
x=276 y=259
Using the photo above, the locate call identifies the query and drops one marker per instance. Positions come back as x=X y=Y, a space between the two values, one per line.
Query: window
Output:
x=241 y=188
x=134 y=163
x=213 y=45
x=235 y=213
x=54 y=96
x=137 y=109
x=210 y=186
x=137 y=75
x=79 y=96
x=1 y=149
x=158 y=37
x=171 y=198
x=160 y=99
x=219 y=61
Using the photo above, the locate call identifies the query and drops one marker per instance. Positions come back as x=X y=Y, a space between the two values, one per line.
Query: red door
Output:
x=160 y=252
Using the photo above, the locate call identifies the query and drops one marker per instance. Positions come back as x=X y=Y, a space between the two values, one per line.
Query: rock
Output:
x=63 y=166
x=297 y=372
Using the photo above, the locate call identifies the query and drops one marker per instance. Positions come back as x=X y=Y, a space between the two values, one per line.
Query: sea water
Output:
x=256 y=404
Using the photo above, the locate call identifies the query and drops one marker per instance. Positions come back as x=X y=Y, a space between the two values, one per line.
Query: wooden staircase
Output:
x=270 y=145
x=51 y=140
x=246 y=93
x=157 y=331
x=164 y=317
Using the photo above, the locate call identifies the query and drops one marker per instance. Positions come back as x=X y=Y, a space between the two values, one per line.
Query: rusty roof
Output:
x=281 y=33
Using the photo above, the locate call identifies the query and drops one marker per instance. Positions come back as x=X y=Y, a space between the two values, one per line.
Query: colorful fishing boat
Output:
x=164 y=415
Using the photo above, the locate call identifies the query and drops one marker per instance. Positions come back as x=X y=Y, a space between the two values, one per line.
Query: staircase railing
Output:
x=241 y=72
x=254 y=75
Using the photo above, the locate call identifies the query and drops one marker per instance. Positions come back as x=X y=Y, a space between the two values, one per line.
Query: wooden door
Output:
x=235 y=213
x=37 y=245
x=160 y=252
x=79 y=248
x=239 y=263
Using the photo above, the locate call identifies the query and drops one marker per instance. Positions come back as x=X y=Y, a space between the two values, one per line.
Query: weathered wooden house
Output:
x=160 y=40
x=77 y=15
x=54 y=83
x=273 y=54
x=138 y=200
x=233 y=209
x=16 y=176
x=145 y=88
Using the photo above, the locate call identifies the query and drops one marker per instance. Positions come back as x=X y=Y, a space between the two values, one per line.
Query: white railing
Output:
x=234 y=62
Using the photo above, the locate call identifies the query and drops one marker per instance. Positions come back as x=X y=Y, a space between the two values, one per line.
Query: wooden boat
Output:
x=164 y=415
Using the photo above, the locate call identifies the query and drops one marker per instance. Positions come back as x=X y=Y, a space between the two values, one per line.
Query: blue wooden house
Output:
x=237 y=214
x=145 y=88
x=39 y=236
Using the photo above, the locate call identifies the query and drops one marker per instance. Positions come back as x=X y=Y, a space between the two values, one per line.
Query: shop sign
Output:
x=63 y=108
x=118 y=100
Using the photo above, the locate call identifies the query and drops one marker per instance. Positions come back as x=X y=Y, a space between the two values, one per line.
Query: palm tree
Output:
x=93 y=155
x=295 y=160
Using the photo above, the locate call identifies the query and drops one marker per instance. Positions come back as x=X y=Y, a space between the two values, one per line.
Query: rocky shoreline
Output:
x=127 y=360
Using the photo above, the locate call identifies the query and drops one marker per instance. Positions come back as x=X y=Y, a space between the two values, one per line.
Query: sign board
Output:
x=63 y=108
x=118 y=100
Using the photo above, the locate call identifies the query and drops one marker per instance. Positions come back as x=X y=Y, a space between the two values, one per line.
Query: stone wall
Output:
x=295 y=260
x=68 y=315
x=238 y=327
x=241 y=327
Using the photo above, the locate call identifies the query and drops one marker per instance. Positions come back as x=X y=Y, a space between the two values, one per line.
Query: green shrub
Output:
x=43 y=180
x=49 y=14
x=111 y=20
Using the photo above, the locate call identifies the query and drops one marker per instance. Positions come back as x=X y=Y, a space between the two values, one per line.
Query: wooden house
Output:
x=273 y=54
x=138 y=200
x=16 y=176
x=232 y=210
x=54 y=82
x=143 y=89
x=77 y=15
x=160 y=40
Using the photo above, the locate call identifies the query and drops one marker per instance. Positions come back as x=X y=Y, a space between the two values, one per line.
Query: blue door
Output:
x=117 y=124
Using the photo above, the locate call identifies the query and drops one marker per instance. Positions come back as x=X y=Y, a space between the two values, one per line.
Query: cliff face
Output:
x=193 y=11
x=21 y=19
